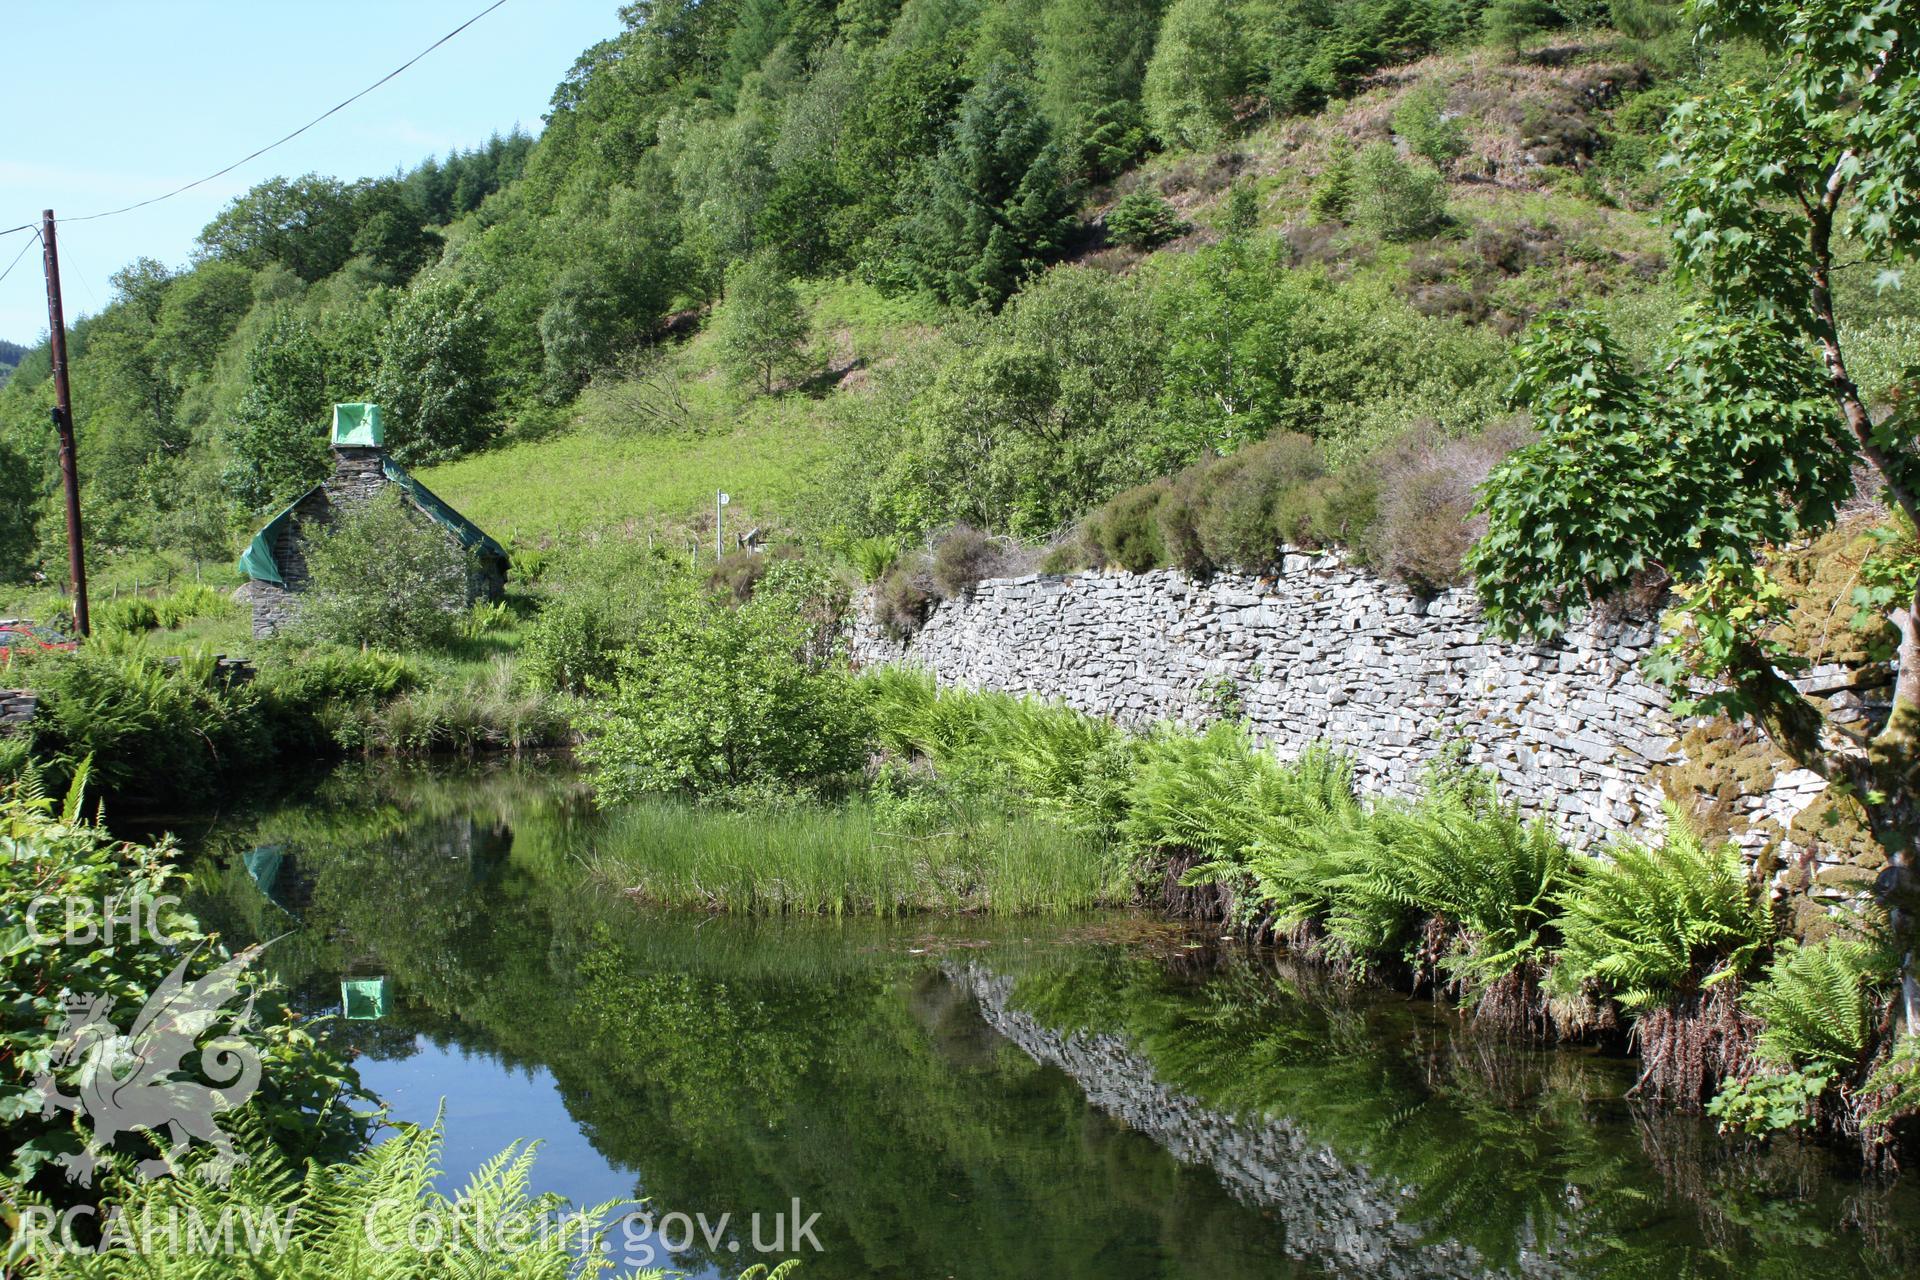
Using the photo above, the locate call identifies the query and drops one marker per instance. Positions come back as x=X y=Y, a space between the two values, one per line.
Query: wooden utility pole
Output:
x=63 y=424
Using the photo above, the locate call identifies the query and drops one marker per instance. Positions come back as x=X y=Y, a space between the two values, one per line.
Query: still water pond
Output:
x=1105 y=1097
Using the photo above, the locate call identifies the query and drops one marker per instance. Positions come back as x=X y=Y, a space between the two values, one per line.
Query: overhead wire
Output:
x=339 y=106
x=23 y=253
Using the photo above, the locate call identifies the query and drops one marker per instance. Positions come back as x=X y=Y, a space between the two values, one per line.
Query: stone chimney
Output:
x=359 y=452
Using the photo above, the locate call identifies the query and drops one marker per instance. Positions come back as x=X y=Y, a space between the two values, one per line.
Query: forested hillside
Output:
x=884 y=268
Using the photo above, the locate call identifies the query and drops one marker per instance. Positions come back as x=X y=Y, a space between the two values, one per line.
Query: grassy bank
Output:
x=860 y=858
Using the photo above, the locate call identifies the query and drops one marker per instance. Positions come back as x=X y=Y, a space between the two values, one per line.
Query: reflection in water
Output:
x=1102 y=1097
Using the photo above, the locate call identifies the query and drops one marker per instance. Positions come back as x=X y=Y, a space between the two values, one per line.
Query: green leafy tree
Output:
x=19 y=514
x=1746 y=432
x=761 y=328
x=1030 y=417
x=1230 y=336
x=1422 y=120
x=197 y=316
x=276 y=441
x=383 y=573
x=1089 y=64
x=1198 y=67
x=434 y=383
x=304 y=224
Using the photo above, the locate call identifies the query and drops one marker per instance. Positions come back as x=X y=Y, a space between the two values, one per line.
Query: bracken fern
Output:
x=1651 y=922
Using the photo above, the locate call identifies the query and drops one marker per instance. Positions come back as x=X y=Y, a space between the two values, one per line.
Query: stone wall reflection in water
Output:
x=1099 y=1097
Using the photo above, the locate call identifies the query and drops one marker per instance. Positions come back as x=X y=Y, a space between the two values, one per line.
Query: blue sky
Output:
x=148 y=94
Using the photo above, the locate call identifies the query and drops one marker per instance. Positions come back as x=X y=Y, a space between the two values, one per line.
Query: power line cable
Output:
x=108 y=213
x=23 y=253
x=25 y=226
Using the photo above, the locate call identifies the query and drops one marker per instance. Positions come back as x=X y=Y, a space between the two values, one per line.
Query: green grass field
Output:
x=589 y=480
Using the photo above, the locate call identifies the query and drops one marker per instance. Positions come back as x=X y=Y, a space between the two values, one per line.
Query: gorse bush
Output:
x=1126 y=531
x=904 y=594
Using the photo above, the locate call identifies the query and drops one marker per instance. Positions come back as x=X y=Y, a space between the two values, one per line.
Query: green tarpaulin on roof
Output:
x=257 y=560
x=258 y=563
x=471 y=536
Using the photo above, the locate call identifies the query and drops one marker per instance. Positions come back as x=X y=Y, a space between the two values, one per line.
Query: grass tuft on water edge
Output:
x=852 y=859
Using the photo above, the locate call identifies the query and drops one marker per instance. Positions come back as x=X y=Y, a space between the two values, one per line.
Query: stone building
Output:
x=275 y=561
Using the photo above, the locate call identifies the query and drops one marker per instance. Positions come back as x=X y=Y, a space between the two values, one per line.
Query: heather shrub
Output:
x=1240 y=522
x=1127 y=530
x=961 y=558
x=1069 y=555
x=903 y=595
x=739 y=572
x=1339 y=508
x=1178 y=516
x=1427 y=489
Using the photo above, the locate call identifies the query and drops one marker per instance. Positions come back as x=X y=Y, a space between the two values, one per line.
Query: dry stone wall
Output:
x=1325 y=652
x=16 y=709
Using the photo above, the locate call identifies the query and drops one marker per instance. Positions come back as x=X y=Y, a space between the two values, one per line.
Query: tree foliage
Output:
x=761 y=327
x=384 y=574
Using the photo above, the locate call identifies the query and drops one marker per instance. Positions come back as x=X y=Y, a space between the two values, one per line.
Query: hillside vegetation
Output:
x=883 y=269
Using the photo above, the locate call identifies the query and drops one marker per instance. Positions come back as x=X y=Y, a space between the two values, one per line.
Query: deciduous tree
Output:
x=1746 y=431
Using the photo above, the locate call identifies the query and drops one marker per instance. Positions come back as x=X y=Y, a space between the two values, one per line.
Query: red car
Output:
x=16 y=633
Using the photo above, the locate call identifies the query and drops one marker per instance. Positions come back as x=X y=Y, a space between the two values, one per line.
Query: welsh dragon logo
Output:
x=139 y=1082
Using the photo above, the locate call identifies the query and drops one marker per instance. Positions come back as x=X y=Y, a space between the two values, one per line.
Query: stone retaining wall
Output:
x=1322 y=651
